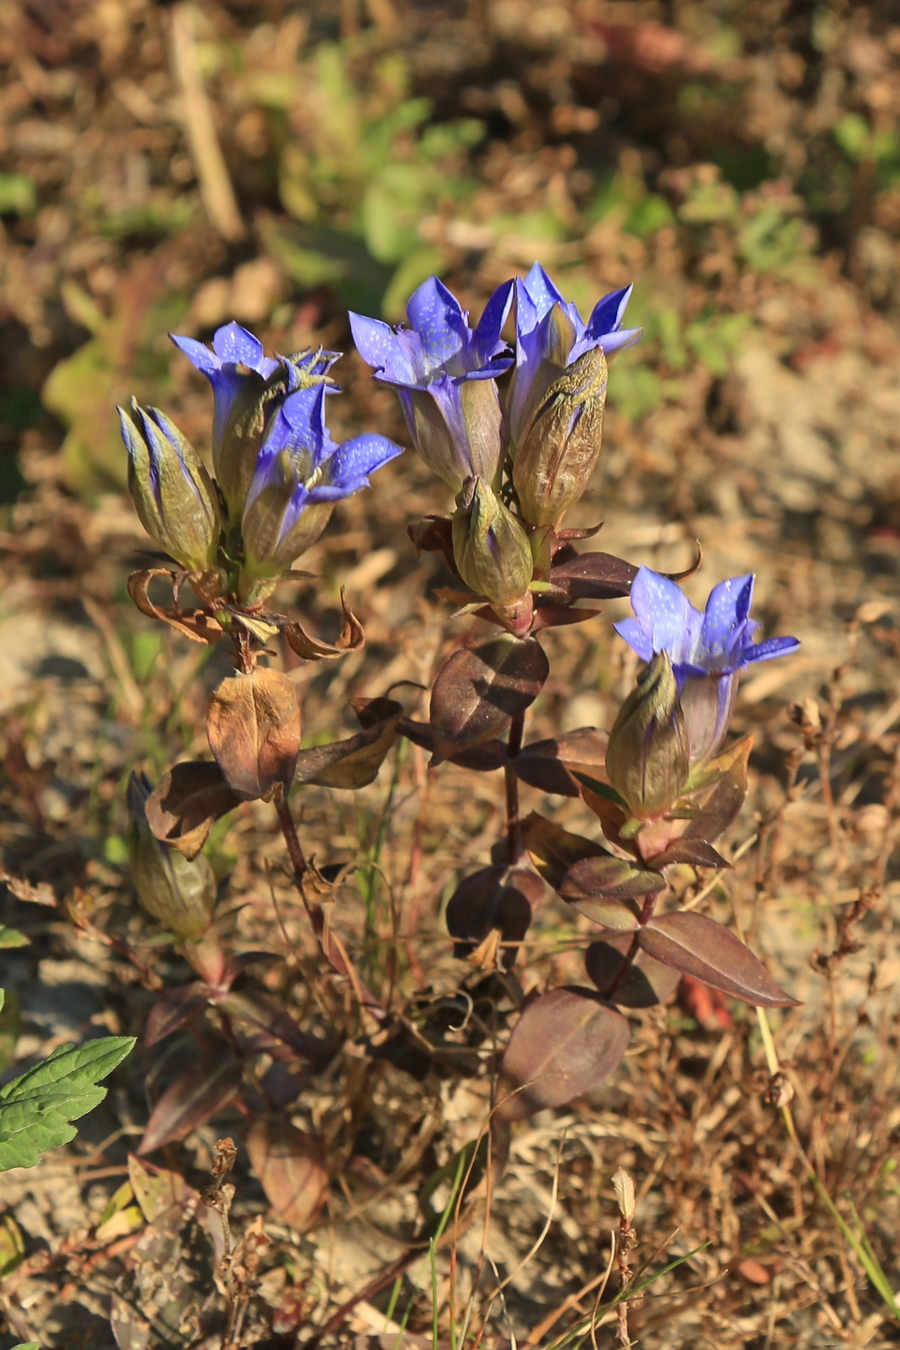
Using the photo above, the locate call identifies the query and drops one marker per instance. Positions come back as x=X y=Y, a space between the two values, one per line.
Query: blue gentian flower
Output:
x=300 y=473
x=708 y=650
x=248 y=388
x=445 y=375
x=551 y=335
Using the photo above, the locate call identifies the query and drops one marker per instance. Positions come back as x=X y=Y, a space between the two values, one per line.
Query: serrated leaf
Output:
x=647 y=983
x=291 y=1169
x=565 y=1043
x=195 y=1095
x=481 y=688
x=36 y=1108
x=11 y=937
x=698 y=946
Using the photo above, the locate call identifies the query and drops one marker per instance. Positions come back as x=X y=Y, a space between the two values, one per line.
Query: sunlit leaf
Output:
x=481 y=688
x=291 y=1169
x=695 y=945
x=253 y=727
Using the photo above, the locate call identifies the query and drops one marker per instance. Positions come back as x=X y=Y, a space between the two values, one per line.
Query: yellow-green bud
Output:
x=647 y=758
x=559 y=448
x=490 y=546
x=180 y=893
x=174 y=495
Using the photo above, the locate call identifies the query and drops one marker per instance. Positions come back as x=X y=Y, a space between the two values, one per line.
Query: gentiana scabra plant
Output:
x=514 y=433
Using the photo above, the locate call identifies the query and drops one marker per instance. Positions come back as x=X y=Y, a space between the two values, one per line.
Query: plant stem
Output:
x=291 y=838
x=514 y=845
x=622 y=973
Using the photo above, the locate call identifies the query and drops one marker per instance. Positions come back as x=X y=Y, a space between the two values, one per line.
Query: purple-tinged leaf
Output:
x=648 y=982
x=550 y=615
x=481 y=759
x=195 y=1095
x=593 y=576
x=130 y=1330
x=291 y=1169
x=698 y=946
x=554 y=850
x=606 y=890
x=352 y=763
x=174 y=1009
x=493 y=898
x=688 y=850
x=720 y=795
x=182 y=807
x=481 y=688
x=551 y=764
x=272 y=1030
x=565 y=1043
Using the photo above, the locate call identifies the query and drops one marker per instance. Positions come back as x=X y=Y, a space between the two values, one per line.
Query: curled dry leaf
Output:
x=291 y=1169
x=183 y=805
x=195 y=1095
x=253 y=728
x=698 y=946
x=481 y=688
x=197 y=624
x=565 y=1043
x=352 y=636
x=355 y=762
x=550 y=765
x=647 y=983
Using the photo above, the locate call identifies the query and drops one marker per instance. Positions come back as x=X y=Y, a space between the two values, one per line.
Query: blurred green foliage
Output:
x=126 y=354
x=364 y=171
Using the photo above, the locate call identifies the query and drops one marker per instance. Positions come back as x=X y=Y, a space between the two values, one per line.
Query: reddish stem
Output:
x=622 y=973
x=514 y=846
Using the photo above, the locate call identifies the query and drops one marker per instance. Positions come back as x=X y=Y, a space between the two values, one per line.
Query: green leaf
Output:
x=35 y=1109
x=11 y=937
x=27 y=1345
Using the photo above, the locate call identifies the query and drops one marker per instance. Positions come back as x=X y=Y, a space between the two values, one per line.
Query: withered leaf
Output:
x=554 y=850
x=291 y=1169
x=352 y=763
x=196 y=624
x=195 y=1095
x=648 y=982
x=183 y=805
x=481 y=688
x=253 y=726
x=698 y=946
x=352 y=636
x=156 y=1189
x=550 y=765
x=565 y=1043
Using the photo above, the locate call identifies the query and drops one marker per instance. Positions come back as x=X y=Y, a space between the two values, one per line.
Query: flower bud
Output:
x=458 y=427
x=280 y=521
x=559 y=447
x=490 y=547
x=180 y=893
x=647 y=755
x=175 y=497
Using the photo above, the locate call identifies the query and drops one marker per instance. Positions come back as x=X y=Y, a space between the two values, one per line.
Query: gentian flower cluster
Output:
x=277 y=471
x=532 y=451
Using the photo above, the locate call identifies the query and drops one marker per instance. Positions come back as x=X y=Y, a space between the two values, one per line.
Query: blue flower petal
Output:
x=637 y=637
x=486 y=341
x=607 y=314
x=777 y=646
x=725 y=630
x=435 y=314
x=666 y=614
x=540 y=290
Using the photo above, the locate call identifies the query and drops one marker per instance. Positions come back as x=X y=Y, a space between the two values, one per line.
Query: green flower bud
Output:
x=560 y=445
x=174 y=495
x=491 y=549
x=180 y=893
x=647 y=758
